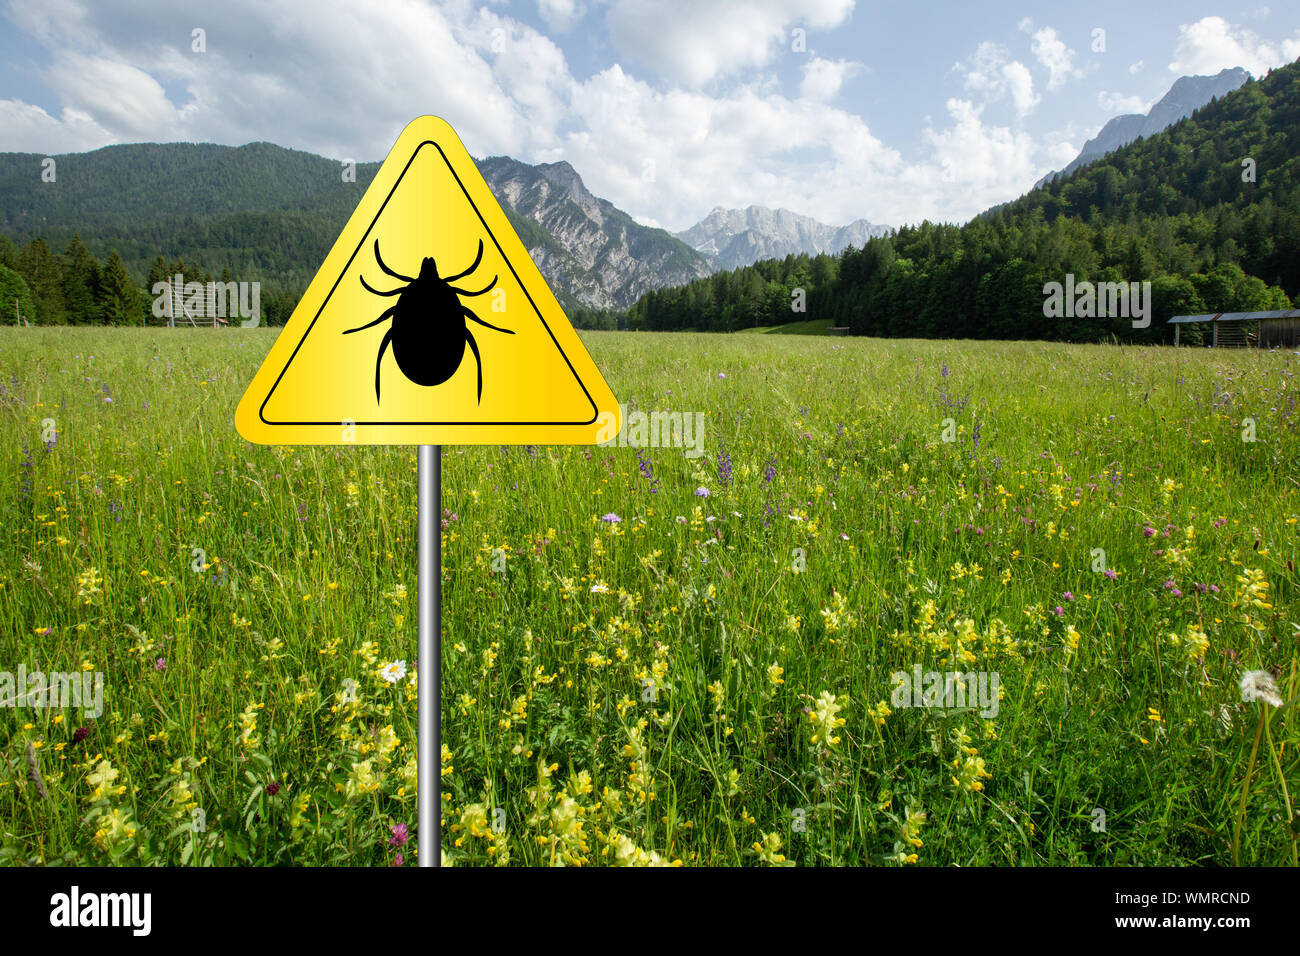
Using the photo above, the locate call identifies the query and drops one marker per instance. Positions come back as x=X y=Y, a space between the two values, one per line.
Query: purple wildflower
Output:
x=647 y=472
x=724 y=468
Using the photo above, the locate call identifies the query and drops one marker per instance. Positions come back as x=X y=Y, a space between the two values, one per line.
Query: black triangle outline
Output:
x=595 y=412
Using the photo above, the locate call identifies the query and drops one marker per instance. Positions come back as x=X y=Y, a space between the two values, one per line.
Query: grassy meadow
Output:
x=655 y=658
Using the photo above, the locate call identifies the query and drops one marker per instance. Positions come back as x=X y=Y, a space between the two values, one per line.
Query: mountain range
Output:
x=272 y=213
x=595 y=252
x=1186 y=96
x=731 y=238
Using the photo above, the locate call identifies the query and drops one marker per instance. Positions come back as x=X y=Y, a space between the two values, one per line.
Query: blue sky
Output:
x=889 y=112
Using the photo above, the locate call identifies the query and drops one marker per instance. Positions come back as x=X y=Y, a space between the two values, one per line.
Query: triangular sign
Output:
x=428 y=323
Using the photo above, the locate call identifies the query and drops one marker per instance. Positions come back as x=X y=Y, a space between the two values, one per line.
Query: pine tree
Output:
x=121 y=300
x=8 y=253
x=158 y=273
x=81 y=277
x=15 y=297
x=39 y=267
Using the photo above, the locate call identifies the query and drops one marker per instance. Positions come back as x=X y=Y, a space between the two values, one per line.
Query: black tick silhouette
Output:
x=429 y=331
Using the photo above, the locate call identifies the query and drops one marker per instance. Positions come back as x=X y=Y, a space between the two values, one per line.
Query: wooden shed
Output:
x=1278 y=329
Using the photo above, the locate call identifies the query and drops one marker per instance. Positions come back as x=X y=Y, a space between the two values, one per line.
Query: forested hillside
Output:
x=1179 y=210
x=263 y=213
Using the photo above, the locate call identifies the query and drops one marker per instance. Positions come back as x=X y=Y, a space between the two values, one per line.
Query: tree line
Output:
x=74 y=288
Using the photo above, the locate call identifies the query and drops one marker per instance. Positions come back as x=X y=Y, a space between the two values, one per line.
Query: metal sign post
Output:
x=429 y=657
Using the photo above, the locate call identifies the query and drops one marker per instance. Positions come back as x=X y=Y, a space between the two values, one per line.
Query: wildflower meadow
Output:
x=901 y=603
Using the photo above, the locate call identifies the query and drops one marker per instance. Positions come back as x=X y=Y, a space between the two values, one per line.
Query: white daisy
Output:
x=393 y=672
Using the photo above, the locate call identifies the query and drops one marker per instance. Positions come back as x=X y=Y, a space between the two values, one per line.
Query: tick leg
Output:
x=369 y=288
x=460 y=275
x=395 y=275
x=470 y=315
x=473 y=347
x=379 y=361
x=479 y=292
x=387 y=313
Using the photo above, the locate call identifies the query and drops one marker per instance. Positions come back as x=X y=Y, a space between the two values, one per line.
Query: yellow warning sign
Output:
x=428 y=323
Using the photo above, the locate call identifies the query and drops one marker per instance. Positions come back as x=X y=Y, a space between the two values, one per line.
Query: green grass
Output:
x=612 y=687
x=810 y=327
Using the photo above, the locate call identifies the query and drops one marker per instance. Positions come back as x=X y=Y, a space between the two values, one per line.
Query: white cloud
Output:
x=122 y=97
x=1119 y=103
x=1135 y=68
x=984 y=68
x=1212 y=44
x=325 y=83
x=1060 y=150
x=345 y=81
x=822 y=78
x=1052 y=53
x=986 y=164
x=732 y=151
x=992 y=74
x=29 y=129
x=560 y=15
x=1021 y=86
x=693 y=42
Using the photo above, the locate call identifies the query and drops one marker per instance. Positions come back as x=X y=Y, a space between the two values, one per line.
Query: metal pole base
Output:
x=429 y=653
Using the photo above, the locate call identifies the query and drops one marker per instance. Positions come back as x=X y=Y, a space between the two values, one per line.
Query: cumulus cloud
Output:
x=693 y=43
x=1212 y=44
x=1052 y=53
x=991 y=73
x=1021 y=86
x=987 y=163
x=343 y=83
x=29 y=129
x=560 y=15
x=822 y=79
